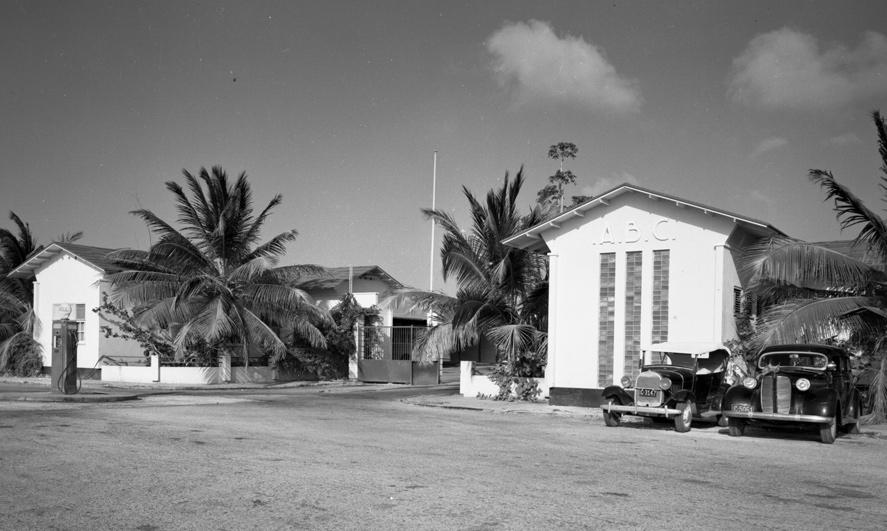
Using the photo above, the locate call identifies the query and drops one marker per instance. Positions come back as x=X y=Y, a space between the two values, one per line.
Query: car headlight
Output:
x=664 y=384
x=749 y=383
x=802 y=384
x=626 y=381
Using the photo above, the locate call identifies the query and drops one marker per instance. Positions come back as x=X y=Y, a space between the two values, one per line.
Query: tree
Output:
x=816 y=293
x=332 y=362
x=212 y=282
x=17 y=317
x=553 y=193
x=502 y=291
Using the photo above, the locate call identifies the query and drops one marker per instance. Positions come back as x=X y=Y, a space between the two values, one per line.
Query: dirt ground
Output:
x=309 y=459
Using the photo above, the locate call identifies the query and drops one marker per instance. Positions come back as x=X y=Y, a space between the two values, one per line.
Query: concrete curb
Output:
x=459 y=402
x=74 y=398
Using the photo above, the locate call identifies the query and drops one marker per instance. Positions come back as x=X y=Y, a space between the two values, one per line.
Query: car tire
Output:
x=685 y=418
x=612 y=419
x=828 y=431
x=736 y=427
x=853 y=427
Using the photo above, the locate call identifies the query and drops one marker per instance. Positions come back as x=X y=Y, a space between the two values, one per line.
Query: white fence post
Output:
x=225 y=367
x=155 y=366
x=355 y=355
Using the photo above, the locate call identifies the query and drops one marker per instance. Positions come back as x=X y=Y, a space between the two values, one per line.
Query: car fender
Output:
x=822 y=402
x=737 y=394
x=618 y=395
x=684 y=395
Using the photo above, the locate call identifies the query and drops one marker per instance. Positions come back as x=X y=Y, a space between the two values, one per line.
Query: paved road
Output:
x=363 y=459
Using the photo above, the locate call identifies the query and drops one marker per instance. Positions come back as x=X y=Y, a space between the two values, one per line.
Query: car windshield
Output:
x=673 y=359
x=807 y=360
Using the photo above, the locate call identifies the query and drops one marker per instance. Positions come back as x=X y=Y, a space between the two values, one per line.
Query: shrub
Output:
x=23 y=356
x=331 y=363
x=516 y=379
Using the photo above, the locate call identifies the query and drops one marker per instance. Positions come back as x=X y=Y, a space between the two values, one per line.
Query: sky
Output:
x=340 y=106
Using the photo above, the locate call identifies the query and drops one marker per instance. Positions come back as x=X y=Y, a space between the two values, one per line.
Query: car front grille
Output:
x=648 y=381
x=776 y=394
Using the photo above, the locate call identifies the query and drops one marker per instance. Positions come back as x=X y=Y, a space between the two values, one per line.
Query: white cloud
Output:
x=767 y=145
x=843 y=140
x=787 y=69
x=603 y=184
x=539 y=65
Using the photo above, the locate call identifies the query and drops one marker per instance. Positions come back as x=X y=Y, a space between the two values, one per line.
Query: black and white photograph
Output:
x=443 y=264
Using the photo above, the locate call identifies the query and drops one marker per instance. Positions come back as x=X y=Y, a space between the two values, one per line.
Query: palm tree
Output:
x=212 y=282
x=498 y=286
x=816 y=292
x=17 y=317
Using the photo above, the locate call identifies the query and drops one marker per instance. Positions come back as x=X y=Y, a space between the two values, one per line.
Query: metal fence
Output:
x=388 y=342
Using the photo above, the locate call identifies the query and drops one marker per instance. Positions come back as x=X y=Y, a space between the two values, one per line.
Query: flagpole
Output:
x=433 y=206
x=431 y=261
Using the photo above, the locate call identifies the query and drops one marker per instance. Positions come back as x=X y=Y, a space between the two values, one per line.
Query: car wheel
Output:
x=736 y=427
x=612 y=419
x=683 y=420
x=828 y=431
x=853 y=428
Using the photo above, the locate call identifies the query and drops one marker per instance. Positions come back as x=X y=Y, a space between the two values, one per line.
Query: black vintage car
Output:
x=679 y=381
x=806 y=384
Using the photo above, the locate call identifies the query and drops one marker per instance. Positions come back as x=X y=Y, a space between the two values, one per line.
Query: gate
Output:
x=385 y=354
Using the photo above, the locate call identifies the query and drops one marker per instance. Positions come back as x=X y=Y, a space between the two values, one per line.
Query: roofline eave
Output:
x=578 y=211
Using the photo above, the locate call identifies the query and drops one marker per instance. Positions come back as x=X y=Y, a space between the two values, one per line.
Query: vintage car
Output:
x=797 y=384
x=679 y=381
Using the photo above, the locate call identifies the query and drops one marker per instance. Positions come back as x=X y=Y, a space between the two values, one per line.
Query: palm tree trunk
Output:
x=878 y=389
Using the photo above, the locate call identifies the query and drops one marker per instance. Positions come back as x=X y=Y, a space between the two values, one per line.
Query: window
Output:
x=737 y=300
x=80 y=317
x=606 y=319
x=660 y=295
x=633 y=274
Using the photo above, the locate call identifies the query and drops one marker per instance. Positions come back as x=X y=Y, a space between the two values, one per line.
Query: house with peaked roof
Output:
x=368 y=284
x=630 y=268
x=69 y=281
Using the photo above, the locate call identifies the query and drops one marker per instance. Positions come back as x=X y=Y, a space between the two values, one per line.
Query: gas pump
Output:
x=64 y=357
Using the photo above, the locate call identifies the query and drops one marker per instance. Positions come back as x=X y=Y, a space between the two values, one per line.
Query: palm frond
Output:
x=68 y=237
x=789 y=262
x=274 y=247
x=851 y=212
x=513 y=339
x=811 y=320
x=415 y=300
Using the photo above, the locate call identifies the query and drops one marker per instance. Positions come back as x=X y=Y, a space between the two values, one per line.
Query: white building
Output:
x=69 y=280
x=629 y=268
x=368 y=284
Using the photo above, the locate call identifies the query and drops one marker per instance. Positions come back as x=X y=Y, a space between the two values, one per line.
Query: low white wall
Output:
x=185 y=375
x=472 y=385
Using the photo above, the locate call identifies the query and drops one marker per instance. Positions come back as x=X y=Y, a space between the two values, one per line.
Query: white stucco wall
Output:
x=701 y=280
x=185 y=375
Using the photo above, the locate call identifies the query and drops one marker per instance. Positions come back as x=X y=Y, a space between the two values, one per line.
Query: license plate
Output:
x=648 y=392
x=743 y=408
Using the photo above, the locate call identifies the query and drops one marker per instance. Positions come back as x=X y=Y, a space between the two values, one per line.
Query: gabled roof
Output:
x=531 y=238
x=337 y=275
x=88 y=254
